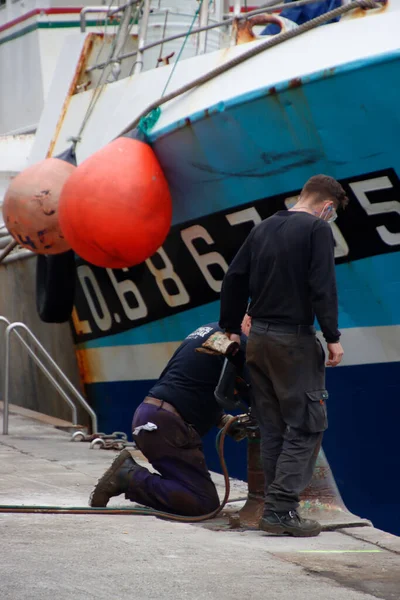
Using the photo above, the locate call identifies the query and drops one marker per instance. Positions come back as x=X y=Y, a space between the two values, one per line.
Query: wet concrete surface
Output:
x=47 y=557
x=371 y=571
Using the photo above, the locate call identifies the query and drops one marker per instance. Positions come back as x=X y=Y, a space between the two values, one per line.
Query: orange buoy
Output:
x=30 y=207
x=115 y=210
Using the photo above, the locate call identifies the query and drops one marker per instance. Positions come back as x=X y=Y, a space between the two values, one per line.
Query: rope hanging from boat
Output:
x=147 y=122
x=254 y=51
x=182 y=47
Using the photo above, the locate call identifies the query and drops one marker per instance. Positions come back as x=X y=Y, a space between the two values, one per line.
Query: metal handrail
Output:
x=12 y=328
x=165 y=40
x=42 y=368
x=102 y=9
x=91 y=9
x=268 y=6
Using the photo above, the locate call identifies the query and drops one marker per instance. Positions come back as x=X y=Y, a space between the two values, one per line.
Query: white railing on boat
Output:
x=211 y=24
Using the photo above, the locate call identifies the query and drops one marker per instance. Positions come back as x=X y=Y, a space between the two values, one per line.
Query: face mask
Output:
x=328 y=214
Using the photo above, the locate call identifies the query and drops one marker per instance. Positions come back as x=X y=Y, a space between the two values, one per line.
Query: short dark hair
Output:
x=323 y=187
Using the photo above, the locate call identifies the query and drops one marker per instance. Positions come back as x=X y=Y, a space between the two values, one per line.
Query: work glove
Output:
x=237 y=431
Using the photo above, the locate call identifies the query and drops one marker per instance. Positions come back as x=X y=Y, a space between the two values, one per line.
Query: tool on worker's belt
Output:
x=218 y=343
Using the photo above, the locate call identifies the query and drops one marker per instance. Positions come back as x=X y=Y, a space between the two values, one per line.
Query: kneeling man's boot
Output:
x=115 y=481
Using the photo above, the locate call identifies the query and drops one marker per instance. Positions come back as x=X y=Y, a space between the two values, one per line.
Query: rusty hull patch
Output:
x=295 y=83
x=84 y=369
x=359 y=12
x=79 y=71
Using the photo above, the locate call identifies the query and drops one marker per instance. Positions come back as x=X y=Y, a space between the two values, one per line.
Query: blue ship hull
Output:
x=228 y=167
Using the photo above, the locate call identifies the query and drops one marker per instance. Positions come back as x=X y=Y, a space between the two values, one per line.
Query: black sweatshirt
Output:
x=286 y=268
x=189 y=380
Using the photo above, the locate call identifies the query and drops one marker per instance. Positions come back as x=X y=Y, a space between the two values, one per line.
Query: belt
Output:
x=285 y=327
x=162 y=404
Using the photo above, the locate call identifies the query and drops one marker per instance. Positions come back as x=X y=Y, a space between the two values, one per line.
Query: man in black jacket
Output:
x=168 y=426
x=286 y=268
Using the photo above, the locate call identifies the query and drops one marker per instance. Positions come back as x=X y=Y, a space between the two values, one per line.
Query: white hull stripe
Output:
x=363 y=345
x=370 y=345
x=125 y=363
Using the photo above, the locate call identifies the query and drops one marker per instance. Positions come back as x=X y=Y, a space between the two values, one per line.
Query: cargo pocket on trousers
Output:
x=316 y=413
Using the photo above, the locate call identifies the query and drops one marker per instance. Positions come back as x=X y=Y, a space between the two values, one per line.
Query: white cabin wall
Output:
x=21 y=98
x=50 y=44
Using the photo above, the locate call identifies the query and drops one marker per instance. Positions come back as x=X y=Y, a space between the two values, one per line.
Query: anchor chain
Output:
x=118 y=440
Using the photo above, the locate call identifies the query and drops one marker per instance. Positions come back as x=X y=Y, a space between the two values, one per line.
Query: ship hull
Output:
x=228 y=168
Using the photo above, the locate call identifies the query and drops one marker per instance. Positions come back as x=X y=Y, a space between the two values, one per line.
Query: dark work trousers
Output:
x=287 y=373
x=183 y=485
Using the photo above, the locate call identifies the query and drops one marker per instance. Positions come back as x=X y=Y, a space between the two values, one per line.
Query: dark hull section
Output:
x=361 y=442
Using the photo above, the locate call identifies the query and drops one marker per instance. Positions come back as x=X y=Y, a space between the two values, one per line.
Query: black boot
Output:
x=115 y=480
x=289 y=522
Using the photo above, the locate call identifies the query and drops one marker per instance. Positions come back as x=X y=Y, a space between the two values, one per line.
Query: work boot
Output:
x=289 y=522
x=115 y=480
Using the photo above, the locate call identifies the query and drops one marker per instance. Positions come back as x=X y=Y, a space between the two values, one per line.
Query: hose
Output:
x=87 y=510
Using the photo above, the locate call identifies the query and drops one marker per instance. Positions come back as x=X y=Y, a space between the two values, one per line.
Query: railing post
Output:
x=142 y=37
x=90 y=9
x=6 y=382
x=203 y=22
x=120 y=40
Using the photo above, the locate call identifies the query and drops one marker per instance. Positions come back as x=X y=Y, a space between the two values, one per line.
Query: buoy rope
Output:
x=149 y=512
x=183 y=47
x=147 y=123
x=254 y=51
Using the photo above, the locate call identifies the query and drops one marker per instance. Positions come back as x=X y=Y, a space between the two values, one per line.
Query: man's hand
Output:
x=335 y=354
x=234 y=337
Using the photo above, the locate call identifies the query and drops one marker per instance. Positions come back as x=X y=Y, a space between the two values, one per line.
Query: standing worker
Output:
x=167 y=427
x=286 y=268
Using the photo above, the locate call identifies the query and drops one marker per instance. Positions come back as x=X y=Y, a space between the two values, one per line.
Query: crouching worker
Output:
x=167 y=428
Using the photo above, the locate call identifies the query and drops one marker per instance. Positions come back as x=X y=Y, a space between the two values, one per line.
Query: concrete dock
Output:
x=114 y=557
